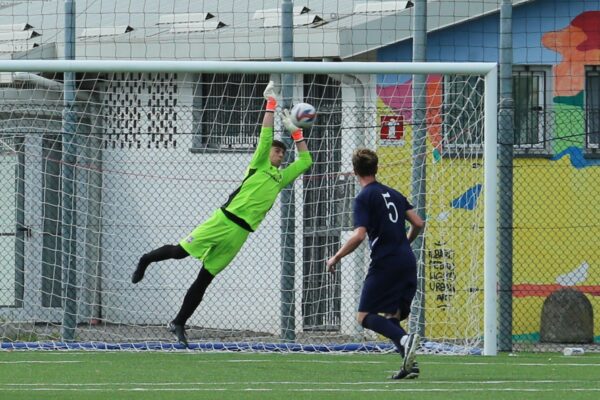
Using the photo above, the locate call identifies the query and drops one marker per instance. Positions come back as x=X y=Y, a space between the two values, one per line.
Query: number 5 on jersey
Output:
x=391 y=206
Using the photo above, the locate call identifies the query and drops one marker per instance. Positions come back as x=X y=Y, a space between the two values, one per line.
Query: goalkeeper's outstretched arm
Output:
x=304 y=159
x=271 y=95
x=301 y=146
x=263 y=148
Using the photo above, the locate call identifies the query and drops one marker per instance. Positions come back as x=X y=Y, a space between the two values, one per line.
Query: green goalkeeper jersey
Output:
x=262 y=183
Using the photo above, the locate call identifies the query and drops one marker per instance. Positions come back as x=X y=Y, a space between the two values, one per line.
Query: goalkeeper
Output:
x=217 y=241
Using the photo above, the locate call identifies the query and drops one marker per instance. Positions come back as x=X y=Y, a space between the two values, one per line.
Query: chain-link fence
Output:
x=156 y=154
x=554 y=289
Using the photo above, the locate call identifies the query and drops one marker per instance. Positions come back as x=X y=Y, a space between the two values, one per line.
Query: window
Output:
x=530 y=91
x=141 y=110
x=8 y=160
x=228 y=111
x=592 y=106
x=463 y=111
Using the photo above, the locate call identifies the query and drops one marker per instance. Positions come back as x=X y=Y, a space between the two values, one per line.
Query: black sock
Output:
x=193 y=297
x=165 y=252
x=384 y=327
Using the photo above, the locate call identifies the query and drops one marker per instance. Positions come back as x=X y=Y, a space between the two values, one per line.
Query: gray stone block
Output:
x=567 y=317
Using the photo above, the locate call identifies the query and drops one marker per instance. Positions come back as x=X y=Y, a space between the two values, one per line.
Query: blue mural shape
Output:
x=577 y=158
x=468 y=200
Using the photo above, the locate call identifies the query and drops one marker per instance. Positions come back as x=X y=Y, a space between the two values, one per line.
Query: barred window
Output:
x=228 y=111
x=530 y=90
x=592 y=106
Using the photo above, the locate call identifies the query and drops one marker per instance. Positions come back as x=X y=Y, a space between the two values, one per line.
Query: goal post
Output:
x=158 y=145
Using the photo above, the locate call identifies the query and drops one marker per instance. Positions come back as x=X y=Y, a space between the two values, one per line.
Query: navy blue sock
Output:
x=396 y=322
x=384 y=327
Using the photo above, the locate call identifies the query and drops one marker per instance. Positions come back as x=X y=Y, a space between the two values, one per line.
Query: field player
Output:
x=391 y=282
x=217 y=241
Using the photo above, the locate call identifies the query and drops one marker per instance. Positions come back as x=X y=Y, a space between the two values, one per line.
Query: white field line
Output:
x=316 y=387
x=589 y=357
x=40 y=362
x=427 y=362
x=256 y=383
x=548 y=364
x=316 y=390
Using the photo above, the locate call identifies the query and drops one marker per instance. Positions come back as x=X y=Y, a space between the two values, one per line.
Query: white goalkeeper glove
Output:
x=271 y=94
x=295 y=132
x=271 y=91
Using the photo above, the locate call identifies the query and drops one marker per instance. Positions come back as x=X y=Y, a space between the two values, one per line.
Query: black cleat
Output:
x=413 y=374
x=139 y=272
x=179 y=331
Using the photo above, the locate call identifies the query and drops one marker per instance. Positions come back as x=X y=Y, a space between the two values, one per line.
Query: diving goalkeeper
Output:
x=217 y=241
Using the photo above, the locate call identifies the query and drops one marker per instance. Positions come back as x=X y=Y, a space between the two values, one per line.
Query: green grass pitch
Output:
x=213 y=375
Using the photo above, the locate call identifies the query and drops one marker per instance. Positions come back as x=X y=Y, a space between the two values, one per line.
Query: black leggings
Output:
x=193 y=297
x=164 y=253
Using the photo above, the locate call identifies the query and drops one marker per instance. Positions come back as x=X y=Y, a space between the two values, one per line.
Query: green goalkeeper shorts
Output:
x=215 y=242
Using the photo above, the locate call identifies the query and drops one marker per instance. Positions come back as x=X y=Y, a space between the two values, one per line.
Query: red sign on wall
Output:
x=392 y=127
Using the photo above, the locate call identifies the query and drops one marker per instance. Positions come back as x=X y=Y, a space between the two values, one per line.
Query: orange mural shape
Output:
x=579 y=45
x=433 y=116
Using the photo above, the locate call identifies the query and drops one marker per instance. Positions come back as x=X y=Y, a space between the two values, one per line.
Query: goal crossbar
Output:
x=230 y=67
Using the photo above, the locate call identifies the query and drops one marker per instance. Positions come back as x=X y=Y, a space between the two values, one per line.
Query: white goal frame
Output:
x=488 y=70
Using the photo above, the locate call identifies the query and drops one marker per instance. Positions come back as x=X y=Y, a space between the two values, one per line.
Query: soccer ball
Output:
x=303 y=115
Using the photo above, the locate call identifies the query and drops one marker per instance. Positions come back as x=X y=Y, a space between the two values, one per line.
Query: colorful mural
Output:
x=578 y=44
x=553 y=247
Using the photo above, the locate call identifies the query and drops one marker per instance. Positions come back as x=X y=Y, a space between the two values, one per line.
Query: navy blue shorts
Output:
x=388 y=288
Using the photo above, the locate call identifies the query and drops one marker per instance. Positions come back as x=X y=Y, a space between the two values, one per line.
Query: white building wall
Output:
x=176 y=190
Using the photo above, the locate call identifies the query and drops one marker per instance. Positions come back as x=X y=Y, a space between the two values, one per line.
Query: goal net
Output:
x=137 y=154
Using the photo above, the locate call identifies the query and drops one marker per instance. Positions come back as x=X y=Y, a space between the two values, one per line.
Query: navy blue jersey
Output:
x=382 y=211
